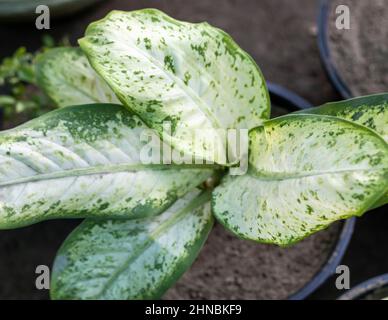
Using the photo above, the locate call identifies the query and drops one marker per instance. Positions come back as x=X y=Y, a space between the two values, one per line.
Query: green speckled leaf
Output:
x=370 y=111
x=68 y=79
x=84 y=161
x=133 y=259
x=306 y=171
x=193 y=76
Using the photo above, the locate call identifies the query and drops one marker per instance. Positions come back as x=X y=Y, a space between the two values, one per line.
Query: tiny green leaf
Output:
x=85 y=161
x=306 y=171
x=192 y=76
x=132 y=259
x=68 y=79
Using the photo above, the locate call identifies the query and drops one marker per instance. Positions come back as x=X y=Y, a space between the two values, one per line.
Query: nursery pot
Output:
x=230 y=268
x=23 y=10
x=372 y=289
x=354 y=55
x=324 y=50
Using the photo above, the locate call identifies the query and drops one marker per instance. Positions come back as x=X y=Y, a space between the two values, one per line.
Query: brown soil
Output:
x=230 y=268
x=361 y=53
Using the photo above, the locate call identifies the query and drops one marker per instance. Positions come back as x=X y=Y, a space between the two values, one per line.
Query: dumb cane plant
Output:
x=146 y=223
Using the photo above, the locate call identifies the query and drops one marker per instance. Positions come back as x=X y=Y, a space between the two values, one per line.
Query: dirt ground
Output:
x=281 y=37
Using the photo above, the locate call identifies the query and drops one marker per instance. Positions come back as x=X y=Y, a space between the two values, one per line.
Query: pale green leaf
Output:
x=306 y=171
x=370 y=111
x=68 y=79
x=84 y=161
x=132 y=259
x=193 y=76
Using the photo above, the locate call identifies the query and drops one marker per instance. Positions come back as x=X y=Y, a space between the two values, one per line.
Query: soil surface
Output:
x=361 y=53
x=230 y=268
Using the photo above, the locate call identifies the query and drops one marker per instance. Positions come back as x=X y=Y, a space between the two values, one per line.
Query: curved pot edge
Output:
x=329 y=268
x=365 y=287
x=294 y=102
x=291 y=100
x=324 y=51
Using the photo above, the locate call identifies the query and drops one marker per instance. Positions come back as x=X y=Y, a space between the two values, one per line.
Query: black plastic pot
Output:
x=286 y=98
x=372 y=289
x=329 y=268
x=292 y=102
x=324 y=50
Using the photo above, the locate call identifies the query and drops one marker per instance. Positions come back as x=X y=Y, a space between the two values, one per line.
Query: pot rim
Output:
x=365 y=287
x=293 y=102
x=324 y=52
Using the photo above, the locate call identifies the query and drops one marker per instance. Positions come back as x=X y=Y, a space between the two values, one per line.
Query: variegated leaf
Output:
x=193 y=77
x=306 y=171
x=132 y=259
x=68 y=79
x=84 y=161
x=370 y=111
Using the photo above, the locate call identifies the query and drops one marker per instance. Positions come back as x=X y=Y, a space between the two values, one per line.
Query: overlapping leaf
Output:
x=193 y=77
x=306 y=171
x=84 y=161
x=370 y=111
x=68 y=79
x=133 y=259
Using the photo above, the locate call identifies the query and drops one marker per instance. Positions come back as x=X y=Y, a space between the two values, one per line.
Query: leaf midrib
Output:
x=75 y=88
x=102 y=169
x=185 y=89
x=274 y=176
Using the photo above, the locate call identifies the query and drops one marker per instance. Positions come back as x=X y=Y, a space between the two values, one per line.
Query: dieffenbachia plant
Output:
x=146 y=223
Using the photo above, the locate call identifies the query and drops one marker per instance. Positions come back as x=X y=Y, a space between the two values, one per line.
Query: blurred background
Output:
x=281 y=35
